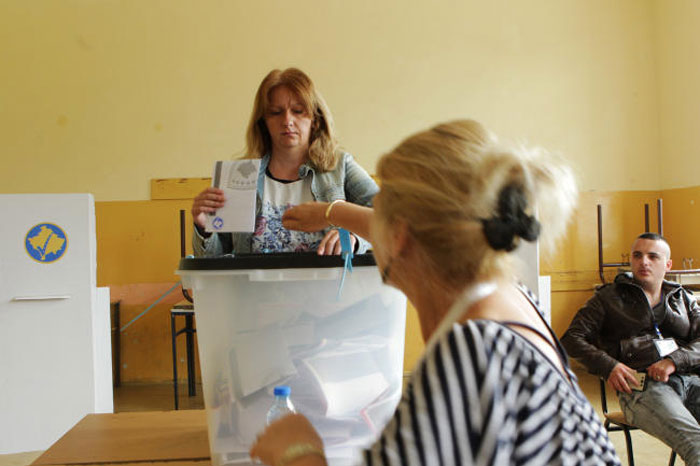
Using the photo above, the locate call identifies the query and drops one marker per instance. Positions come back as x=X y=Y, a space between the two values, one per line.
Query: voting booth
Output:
x=267 y=320
x=55 y=350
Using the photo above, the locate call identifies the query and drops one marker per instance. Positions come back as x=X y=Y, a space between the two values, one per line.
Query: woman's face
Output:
x=287 y=120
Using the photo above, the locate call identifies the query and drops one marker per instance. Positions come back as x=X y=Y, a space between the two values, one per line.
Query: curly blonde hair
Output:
x=450 y=182
x=323 y=147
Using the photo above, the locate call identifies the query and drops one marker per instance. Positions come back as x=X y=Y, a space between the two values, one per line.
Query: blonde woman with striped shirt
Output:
x=494 y=386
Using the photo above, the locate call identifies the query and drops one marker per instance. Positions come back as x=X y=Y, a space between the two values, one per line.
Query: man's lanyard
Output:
x=664 y=346
x=662 y=302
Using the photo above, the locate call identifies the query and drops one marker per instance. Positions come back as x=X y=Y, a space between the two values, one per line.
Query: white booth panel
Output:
x=54 y=323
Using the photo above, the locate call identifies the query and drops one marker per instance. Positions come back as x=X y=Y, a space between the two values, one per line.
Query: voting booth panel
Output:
x=526 y=262
x=54 y=322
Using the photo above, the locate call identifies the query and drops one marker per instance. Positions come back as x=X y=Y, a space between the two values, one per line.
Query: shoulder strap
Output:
x=556 y=344
x=563 y=358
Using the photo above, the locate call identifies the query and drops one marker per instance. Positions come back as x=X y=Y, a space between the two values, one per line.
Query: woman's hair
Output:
x=323 y=147
x=468 y=200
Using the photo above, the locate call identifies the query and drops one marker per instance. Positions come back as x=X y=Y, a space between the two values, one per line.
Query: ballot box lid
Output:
x=291 y=260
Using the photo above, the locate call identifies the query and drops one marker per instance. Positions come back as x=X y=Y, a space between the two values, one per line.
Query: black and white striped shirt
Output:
x=484 y=395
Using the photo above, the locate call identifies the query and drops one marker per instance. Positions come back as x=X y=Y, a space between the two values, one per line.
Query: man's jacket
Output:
x=616 y=325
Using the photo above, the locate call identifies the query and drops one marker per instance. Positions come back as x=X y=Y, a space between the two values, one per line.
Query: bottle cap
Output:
x=282 y=390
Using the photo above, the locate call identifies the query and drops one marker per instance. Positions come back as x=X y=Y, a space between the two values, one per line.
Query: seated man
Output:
x=643 y=323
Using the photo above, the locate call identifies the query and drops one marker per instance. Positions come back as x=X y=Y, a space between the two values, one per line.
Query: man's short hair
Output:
x=652 y=236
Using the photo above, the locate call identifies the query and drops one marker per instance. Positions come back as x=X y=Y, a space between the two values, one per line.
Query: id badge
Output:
x=665 y=346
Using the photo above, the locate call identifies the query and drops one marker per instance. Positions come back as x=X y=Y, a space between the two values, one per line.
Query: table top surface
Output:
x=178 y=437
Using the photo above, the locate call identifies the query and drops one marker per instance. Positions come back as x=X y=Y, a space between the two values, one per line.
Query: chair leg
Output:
x=628 y=441
x=672 y=459
x=189 y=335
x=117 y=345
x=173 y=335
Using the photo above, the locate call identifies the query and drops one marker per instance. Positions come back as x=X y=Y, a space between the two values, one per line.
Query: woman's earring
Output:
x=386 y=270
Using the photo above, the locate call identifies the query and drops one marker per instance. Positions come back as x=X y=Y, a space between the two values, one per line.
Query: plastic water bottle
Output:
x=282 y=404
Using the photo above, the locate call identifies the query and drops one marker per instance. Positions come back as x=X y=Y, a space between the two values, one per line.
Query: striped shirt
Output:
x=485 y=395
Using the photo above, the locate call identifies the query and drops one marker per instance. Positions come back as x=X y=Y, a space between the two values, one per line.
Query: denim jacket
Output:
x=348 y=181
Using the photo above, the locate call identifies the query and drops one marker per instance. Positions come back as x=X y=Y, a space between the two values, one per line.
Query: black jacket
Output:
x=616 y=325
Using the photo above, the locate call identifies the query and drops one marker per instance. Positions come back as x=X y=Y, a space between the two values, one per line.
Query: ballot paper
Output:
x=349 y=380
x=258 y=359
x=239 y=181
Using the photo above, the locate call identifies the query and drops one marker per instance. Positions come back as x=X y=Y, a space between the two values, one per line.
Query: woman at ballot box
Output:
x=494 y=385
x=291 y=132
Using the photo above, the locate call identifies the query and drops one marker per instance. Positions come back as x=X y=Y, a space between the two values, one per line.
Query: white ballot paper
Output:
x=239 y=181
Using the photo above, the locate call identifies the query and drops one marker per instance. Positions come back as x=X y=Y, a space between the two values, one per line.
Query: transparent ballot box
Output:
x=284 y=319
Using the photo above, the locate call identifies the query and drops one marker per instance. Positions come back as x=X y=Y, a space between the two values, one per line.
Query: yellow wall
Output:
x=104 y=96
x=682 y=223
x=138 y=250
x=678 y=52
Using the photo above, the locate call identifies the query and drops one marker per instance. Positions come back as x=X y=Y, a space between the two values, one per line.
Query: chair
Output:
x=186 y=311
x=615 y=422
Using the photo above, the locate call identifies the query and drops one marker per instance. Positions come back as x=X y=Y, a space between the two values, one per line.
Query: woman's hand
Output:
x=205 y=203
x=274 y=441
x=330 y=244
x=310 y=216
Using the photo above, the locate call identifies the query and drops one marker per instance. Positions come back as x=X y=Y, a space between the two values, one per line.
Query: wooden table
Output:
x=176 y=437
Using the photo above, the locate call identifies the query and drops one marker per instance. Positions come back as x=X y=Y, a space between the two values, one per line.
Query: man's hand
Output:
x=660 y=370
x=620 y=378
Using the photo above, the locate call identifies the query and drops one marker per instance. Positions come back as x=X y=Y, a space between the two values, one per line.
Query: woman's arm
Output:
x=311 y=216
x=360 y=188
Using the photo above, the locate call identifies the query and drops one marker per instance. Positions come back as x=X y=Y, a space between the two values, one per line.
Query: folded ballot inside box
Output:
x=258 y=359
x=346 y=380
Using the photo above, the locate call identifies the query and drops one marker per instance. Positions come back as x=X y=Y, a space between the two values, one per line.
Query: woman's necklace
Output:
x=471 y=295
